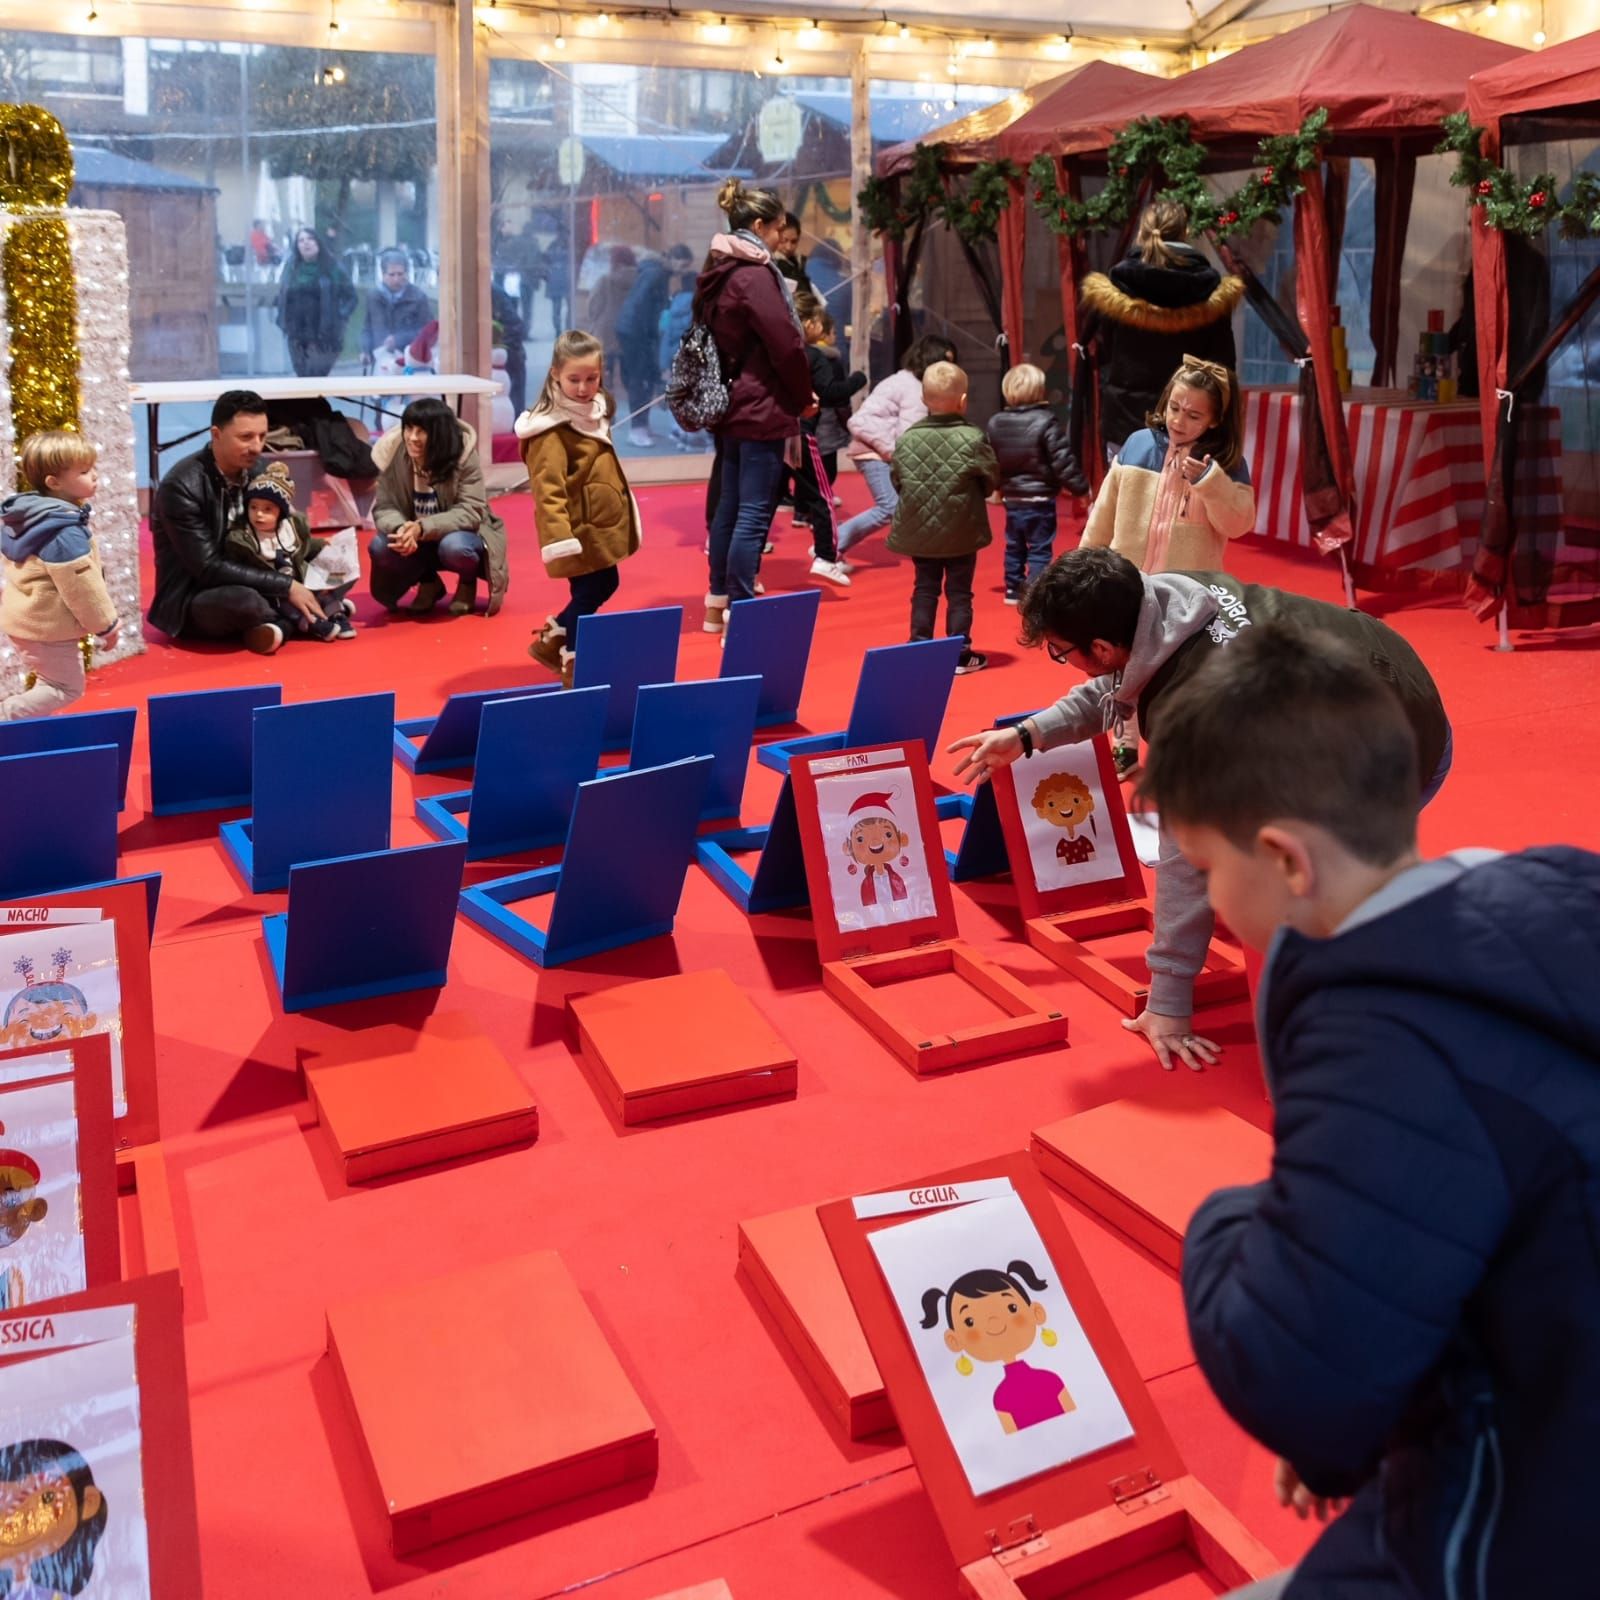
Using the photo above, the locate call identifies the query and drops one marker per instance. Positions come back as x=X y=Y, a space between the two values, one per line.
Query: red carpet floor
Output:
x=754 y=1484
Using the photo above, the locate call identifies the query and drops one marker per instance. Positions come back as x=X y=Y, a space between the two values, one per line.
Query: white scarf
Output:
x=587 y=417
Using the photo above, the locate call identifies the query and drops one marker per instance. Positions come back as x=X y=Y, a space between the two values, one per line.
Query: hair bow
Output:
x=1214 y=369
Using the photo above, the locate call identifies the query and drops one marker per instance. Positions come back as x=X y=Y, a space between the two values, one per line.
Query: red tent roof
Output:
x=1563 y=75
x=1377 y=72
x=976 y=137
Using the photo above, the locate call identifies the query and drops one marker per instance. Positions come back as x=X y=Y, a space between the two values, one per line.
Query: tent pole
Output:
x=860 y=238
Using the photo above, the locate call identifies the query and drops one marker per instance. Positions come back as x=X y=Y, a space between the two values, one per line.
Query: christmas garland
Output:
x=1172 y=159
x=1525 y=208
x=895 y=215
x=974 y=212
x=36 y=176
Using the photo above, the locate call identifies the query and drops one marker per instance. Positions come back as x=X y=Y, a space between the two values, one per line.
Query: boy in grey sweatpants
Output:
x=1137 y=635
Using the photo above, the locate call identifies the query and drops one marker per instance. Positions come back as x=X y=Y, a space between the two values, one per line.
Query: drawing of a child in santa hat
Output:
x=873 y=842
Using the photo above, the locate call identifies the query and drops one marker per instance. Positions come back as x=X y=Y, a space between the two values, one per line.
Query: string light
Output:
x=561 y=38
x=94 y=15
x=811 y=36
x=604 y=19
x=1491 y=10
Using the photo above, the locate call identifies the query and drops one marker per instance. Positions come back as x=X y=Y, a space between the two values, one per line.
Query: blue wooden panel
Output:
x=779 y=879
x=982 y=853
x=449 y=741
x=770 y=638
x=626 y=649
x=322 y=783
x=76 y=730
x=902 y=693
x=533 y=753
x=201 y=747
x=621 y=876
x=364 y=925
x=713 y=717
x=61 y=807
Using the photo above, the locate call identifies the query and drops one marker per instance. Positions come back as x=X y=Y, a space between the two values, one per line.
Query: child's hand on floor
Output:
x=1293 y=1494
x=1173 y=1039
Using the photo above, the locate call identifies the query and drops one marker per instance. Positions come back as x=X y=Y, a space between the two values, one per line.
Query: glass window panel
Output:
x=604 y=179
x=214 y=154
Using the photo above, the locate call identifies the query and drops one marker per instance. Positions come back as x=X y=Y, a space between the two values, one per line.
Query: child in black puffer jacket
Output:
x=1036 y=465
x=813 y=482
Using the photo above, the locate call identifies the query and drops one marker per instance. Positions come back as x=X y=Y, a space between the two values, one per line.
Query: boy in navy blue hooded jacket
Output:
x=1408 y=1309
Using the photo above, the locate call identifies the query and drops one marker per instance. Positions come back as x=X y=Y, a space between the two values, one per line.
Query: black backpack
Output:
x=697 y=391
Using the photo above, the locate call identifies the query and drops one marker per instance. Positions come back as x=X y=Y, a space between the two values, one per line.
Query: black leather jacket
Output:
x=1036 y=460
x=189 y=526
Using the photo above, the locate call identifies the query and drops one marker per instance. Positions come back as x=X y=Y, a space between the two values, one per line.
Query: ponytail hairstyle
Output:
x=744 y=206
x=972 y=1285
x=1224 y=440
x=1162 y=224
x=573 y=345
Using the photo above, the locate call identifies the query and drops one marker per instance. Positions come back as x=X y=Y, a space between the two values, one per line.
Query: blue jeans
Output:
x=753 y=475
x=394 y=573
x=880 y=513
x=1030 y=541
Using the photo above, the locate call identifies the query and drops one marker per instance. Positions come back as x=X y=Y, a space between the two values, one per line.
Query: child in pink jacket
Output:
x=875 y=429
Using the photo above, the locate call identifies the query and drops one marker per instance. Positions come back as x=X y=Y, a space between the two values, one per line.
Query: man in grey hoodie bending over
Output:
x=1135 y=635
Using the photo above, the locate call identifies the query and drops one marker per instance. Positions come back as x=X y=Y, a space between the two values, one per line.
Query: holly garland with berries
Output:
x=972 y=210
x=1525 y=208
x=1172 y=159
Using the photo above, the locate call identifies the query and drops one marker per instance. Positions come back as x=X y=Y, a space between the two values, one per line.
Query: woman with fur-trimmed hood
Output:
x=1162 y=301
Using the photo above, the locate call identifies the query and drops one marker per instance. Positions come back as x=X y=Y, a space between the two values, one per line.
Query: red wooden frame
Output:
x=1059 y=922
x=97 y=1161
x=1037 y=902
x=856 y=963
x=1121 y=1505
x=129 y=906
x=167 y=1455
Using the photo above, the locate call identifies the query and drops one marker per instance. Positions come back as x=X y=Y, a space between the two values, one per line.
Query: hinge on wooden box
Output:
x=1019 y=1539
x=1137 y=1490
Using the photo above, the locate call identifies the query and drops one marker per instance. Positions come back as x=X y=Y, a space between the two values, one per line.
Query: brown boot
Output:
x=546 y=647
x=429 y=593
x=465 y=600
x=569 y=662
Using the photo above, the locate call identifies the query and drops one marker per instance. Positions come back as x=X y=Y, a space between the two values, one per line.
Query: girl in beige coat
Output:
x=1180 y=488
x=584 y=513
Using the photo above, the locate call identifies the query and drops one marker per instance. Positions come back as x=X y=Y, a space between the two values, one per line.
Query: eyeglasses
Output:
x=1061 y=654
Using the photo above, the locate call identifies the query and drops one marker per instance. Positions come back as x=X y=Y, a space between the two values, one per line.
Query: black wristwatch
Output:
x=1025 y=734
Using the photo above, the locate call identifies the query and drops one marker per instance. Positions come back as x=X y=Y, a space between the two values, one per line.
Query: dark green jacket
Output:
x=944 y=469
x=243 y=544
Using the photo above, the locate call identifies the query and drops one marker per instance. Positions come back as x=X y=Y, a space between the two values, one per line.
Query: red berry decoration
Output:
x=1537 y=199
x=1484 y=186
x=1122 y=172
x=1266 y=175
x=976 y=208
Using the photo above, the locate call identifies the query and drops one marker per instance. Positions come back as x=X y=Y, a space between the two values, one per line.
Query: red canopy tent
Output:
x=1087 y=89
x=1387 y=79
x=1559 y=87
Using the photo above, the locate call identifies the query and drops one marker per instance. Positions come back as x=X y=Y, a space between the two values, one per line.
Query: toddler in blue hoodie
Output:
x=55 y=593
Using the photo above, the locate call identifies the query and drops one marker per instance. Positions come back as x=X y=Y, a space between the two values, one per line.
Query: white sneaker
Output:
x=642 y=438
x=831 y=571
x=837 y=501
x=758 y=586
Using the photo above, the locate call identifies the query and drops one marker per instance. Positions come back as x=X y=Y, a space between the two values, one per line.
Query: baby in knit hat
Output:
x=276 y=536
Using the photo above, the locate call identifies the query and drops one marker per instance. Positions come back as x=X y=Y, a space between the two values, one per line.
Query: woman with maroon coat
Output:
x=742 y=300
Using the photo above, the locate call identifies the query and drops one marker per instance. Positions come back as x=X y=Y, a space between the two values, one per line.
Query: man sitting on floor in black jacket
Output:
x=201 y=592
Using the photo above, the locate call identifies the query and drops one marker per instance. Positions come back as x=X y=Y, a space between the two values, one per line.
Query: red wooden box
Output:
x=442 y=1098
x=886 y=788
x=1145 y=1168
x=1131 y=1508
x=469 y=1416
x=1091 y=885
x=785 y=1258
x=667 y=1046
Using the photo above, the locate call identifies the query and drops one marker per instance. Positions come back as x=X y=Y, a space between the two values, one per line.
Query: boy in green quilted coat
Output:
x=944 y=471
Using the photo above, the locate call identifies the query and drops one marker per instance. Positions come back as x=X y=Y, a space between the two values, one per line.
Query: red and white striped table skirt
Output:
x=1419 y=480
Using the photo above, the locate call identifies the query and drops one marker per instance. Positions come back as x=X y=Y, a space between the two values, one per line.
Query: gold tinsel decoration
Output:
x=36 y=175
